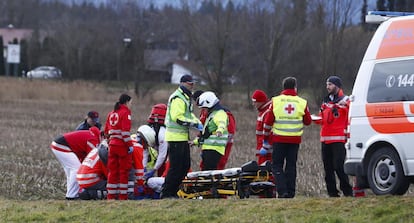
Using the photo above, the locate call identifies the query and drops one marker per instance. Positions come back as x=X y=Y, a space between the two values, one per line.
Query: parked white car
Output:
x=45 y=72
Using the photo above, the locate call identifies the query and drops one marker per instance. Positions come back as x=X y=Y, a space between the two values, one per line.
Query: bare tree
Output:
x=259 y=41
x=209 y=34
x=331 y=20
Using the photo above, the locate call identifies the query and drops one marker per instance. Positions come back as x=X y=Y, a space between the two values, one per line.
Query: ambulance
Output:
x=380 y=146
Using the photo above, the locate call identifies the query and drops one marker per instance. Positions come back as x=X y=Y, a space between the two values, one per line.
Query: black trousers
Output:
x=333 y=157
x=95 y=192
x=284 y=159
x=180 y=161
x=211 y=158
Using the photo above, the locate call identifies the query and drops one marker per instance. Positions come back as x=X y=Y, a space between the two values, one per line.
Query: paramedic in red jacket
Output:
x=118 y=127
x=156 y=121
x=334 y=114
x=71 y=149
x=289 y=114
x=231 y=128
x=143 y=140
x=262 y=104
x=92 y=174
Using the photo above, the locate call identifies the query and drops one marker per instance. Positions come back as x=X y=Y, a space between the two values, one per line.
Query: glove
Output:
x=198 y=126
x=149 y=174
x=262 y=151
x=130 y=149
x=140 y=189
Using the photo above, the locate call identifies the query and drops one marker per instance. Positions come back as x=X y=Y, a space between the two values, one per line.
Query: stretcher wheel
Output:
x=215 y=193
x=240 y=190
x=269 y=193
x=243 y=190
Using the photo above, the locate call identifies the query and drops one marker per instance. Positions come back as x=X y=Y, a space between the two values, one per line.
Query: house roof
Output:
x=9 y=34
x=159 y=60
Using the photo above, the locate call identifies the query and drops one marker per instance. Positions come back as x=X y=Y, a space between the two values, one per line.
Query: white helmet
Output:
x=148 y=133
x=207 y=99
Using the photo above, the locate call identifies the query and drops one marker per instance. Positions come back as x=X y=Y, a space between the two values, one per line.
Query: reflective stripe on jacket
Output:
x=179 y=108
x=118 y=127
x=91 y=171
x=334 y=114
x=137 y=162
x=81 y=142
x=288 y=111
x=263 y=111
x=216 y=121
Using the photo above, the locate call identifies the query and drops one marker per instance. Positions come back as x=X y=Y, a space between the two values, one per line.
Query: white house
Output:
x=181 y=67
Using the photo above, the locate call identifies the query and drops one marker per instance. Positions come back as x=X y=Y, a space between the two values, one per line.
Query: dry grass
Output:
x=32 y=113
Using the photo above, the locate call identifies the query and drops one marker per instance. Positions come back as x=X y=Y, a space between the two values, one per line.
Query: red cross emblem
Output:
x=289 y=108
x=113 y=119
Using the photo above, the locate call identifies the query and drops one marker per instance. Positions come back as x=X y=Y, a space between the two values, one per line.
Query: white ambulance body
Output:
x=380 y=148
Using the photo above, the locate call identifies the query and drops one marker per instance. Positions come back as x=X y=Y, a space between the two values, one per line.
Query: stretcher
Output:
x=249 y=179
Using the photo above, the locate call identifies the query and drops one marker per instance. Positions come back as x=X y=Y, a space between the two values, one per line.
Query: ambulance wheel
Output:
x=385 y=173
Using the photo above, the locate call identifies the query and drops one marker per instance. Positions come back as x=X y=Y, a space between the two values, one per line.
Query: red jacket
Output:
x=81 y=142
x=263 y=112
x=91 y=171
x=231 y=127
x=118 y=127
x=270 y=119
x=334 y=114
x=137 y=165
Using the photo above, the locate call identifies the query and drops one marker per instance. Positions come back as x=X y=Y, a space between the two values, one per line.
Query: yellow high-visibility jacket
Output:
x=179 y=108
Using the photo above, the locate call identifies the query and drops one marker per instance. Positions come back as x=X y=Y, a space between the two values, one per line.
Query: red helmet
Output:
x=157 y=114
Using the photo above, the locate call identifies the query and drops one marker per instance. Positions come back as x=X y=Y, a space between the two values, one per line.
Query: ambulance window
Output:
x=392 y=81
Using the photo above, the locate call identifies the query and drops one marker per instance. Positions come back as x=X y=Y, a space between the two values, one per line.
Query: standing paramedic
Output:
x=231 y=128
x=117 y=128
x=71 y=149
x=214 y=137
x=334 y=114
x=179 y=119
x=262 y=104
x=289 y=114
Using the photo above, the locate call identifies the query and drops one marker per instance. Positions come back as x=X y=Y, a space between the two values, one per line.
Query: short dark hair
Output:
x=289 y=83
x=197 y=94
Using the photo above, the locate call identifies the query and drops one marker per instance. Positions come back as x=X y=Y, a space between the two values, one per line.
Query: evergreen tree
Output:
x=401 y=5
x=381 y=5
x=364 y=12
x=23 y=57
x=2 y=71
x=391 y=4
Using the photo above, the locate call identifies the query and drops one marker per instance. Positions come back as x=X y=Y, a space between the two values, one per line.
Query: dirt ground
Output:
x=32 y=114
